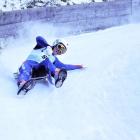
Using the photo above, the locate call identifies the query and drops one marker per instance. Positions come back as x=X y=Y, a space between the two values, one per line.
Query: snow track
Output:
x=98 y=103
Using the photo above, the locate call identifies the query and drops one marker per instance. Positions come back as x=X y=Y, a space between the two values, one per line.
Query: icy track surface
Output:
x=101 y=102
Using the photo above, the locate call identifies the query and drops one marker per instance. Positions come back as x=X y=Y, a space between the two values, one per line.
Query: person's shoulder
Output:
x=41 y=41
x=40 y=38
x=38 y=47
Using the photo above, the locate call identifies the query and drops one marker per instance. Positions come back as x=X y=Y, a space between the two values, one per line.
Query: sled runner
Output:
x=41 y=74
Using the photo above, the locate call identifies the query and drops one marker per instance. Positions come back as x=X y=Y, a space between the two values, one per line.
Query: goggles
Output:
x=60 y=48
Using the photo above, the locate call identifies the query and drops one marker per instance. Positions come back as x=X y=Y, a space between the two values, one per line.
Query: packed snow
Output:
x=100 y=102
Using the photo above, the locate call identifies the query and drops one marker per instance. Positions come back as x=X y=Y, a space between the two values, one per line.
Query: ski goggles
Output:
x=60 y=48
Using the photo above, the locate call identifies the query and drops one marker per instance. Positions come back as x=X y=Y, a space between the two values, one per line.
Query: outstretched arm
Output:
x=60 y=65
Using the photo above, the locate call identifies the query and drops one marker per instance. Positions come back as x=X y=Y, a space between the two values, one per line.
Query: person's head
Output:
x=59 y=46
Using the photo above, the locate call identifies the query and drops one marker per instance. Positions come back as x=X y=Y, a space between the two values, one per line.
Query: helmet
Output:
x=60 y=45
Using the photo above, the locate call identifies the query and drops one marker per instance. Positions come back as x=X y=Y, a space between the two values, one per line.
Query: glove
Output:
x=80 y=66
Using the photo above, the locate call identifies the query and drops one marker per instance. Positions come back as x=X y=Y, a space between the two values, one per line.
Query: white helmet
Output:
x=61 y=46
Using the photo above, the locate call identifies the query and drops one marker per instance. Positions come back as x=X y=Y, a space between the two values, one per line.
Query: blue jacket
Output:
x=42 y=42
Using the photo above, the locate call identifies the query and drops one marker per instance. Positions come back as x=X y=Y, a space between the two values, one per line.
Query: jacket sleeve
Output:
x=59 y=64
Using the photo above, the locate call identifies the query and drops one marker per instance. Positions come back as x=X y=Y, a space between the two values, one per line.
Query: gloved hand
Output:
x=81 y=66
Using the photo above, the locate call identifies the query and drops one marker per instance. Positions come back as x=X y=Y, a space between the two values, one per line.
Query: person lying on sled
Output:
x=44 y=55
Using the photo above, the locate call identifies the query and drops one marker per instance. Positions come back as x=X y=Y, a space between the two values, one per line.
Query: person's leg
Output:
x=49 y=66
x=59 y=75
x=25 y=72
x=51 y=69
